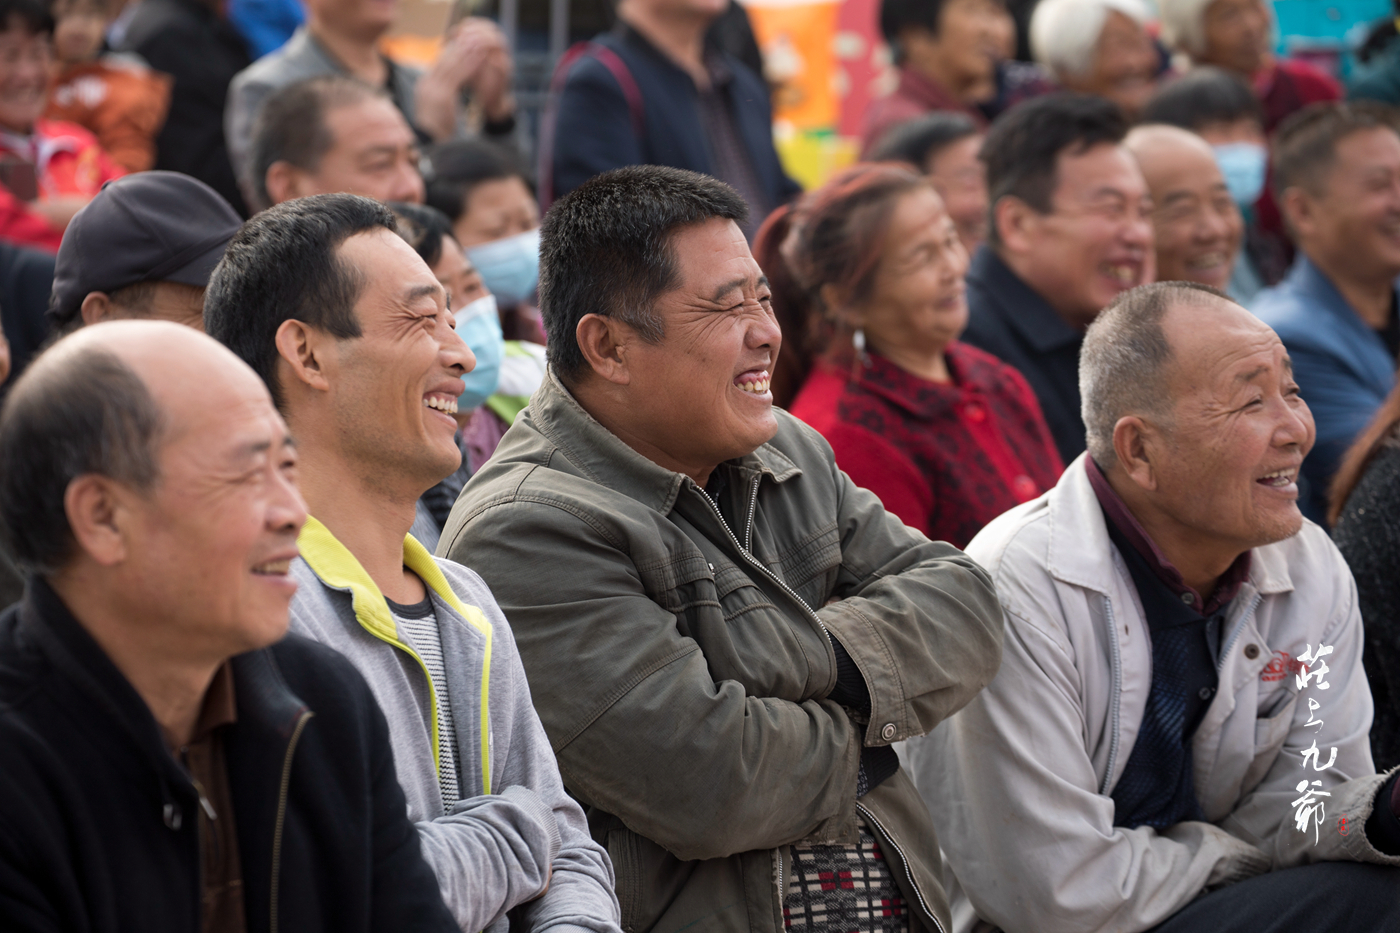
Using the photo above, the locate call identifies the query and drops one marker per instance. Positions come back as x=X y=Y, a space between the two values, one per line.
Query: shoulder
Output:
x=1315 y=84
x=62 y=130
x=1289 y=310
x=986 y=371
x=293 y=62
x=1309 y=573
x=319 y=675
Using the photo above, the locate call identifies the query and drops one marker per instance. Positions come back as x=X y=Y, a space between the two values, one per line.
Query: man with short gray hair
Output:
x=1179 y=728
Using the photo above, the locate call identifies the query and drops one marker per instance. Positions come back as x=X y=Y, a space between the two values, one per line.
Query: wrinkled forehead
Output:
x=1218 y=345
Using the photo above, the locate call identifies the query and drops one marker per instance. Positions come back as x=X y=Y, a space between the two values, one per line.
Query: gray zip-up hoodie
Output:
x=515 y=824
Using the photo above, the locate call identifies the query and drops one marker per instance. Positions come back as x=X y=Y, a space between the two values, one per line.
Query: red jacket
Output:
x=947 y=458
x=914 y=96
x=67 y=162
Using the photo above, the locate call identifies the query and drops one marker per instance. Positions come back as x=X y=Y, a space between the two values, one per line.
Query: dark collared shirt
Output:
x=221 y=870
x=1015 y=324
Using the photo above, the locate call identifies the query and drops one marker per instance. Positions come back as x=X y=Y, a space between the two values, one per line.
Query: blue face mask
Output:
x=479 y=326
x=1244 y=166
x=510 y=267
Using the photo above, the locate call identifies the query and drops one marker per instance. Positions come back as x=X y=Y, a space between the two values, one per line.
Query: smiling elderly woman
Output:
x=1098 y=47
x=726 y=634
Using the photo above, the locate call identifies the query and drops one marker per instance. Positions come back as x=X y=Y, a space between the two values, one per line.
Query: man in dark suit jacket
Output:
x=653 y=92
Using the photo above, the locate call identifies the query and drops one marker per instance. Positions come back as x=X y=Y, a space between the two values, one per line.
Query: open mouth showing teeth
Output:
x=1207 y=261
x=448 y=405
x=273 y=568
x=756 y=386
x=1123 y=273
x=1278 y=479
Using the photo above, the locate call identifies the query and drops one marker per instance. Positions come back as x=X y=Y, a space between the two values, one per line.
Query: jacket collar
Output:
x=931 y=95
x=1022 y=308
x=603 y=457
x=921 y=398
x=1079 y=543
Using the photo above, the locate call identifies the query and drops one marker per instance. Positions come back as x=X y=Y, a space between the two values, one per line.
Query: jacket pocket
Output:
x=1270 y=732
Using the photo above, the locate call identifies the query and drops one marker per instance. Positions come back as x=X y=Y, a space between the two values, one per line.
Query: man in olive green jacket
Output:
x=723 y=634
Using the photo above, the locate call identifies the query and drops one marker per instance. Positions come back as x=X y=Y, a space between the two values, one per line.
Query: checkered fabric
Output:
x=843 y=889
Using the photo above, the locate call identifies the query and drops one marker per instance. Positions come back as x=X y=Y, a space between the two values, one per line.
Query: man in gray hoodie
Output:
x=359 y=352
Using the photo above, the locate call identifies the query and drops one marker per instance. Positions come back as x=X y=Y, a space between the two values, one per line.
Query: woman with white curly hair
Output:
x=1238 y=35
x=1098 y=47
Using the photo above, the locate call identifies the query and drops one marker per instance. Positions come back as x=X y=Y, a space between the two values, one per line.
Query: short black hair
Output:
x=33 y=16
x=1204 y=96
x=1024 y=145
x=605 y=249
x=1305 y=143
x=918 y=140
x=291 y=126
x=282 y=265
x=458 y=166
x=70 y=414
x=423 y=228
x=899 y=15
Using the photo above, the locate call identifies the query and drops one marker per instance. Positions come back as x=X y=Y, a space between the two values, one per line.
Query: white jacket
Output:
x=1018 y=782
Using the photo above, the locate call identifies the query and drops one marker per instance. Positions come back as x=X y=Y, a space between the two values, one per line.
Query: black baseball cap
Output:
x=145 y=227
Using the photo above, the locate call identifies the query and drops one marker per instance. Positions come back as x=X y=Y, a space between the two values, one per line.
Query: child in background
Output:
x=116 y=96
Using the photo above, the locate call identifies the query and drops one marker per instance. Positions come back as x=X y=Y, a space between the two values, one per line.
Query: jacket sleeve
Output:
x=641 y=728
x=1265 y=815
x=919 y=617
x=1029 y=806
x=593 y=130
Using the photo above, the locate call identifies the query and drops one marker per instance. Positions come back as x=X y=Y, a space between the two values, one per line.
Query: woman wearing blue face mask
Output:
x=506 y=372
x=496 y=219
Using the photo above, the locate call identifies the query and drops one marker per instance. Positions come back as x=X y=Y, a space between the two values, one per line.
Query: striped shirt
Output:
x=418 y=628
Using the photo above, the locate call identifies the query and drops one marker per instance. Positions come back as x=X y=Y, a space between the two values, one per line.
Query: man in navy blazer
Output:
x=1337 y=175
x=653 y=92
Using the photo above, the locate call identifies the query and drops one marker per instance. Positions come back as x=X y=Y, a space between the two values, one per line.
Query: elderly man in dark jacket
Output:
x=723 y=634
x=164 y=769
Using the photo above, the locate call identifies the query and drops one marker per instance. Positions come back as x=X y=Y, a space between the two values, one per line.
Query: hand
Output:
x=58 y=211
x=5 y=362
x=476 y=59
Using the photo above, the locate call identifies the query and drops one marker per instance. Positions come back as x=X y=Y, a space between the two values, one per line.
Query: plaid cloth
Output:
x=843 y=889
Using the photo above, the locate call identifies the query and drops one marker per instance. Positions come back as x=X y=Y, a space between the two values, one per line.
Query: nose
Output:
x=1296 y=427
x=408 y=185
x=287 y=511
x=764 y=332
x=455 y=353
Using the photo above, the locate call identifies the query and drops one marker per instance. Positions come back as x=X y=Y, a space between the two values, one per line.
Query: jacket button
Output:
x=1251 y=651
x=172 y=816
x=887 y=733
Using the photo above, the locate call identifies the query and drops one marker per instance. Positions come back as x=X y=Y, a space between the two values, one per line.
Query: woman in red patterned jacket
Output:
x=947 y=436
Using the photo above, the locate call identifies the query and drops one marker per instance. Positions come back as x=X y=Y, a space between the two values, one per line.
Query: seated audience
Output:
x=172 y=761
x=116 y=97
x=143 y=248
x=947 y=436
x=193 y=42
x=361 y=357
x=48 y=169
x=1070 y=231
x=943 y=147
x=1098 y=47
x=1181 y=708
x=1220 y=108
x=26 y=279
x=729 y=633
x=491 y=203
x=1337 y=174
x=653 y=91
x=1366 y=527
x=341 y=37
x=947 y=52
x=1238 y=35
x=332 y=135
x=1196 y=227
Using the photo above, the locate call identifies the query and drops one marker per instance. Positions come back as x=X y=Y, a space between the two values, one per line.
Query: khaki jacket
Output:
x=680 y=662
x=1034 y=758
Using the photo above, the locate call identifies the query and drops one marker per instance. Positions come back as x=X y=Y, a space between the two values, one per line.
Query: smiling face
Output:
x=395 y=387
x=224 y=510
x=960 y=179
x=373 y=153
x=24 y=76
x=918 y=302
x=1097 y=239
x=970 y=41
x=1125 y=65
x=1350 y=225
x=1227 y=466
x=1238 y=35
x=700 y=396
x=1197 y=227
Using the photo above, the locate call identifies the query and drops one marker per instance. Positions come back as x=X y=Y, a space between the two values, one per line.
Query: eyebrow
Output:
x=423 y=291
x=254 y=448
x=728 y=287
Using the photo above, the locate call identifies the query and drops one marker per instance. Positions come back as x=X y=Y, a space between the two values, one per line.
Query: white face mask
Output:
x=479 y=326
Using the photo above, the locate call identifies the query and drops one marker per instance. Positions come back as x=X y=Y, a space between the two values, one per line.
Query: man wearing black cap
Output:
x=142 y=248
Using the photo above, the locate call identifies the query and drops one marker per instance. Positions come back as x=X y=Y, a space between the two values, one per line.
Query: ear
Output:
x=302 y=349
x=604 y=342
x=96 y=307
x=283 y=182
x=1296 y=205
x=98 y=511
x=1134 y=446
x=1015 y=221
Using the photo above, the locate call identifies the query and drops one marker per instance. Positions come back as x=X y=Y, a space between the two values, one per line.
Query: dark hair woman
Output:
x=946 y=435
x=1365 y=514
